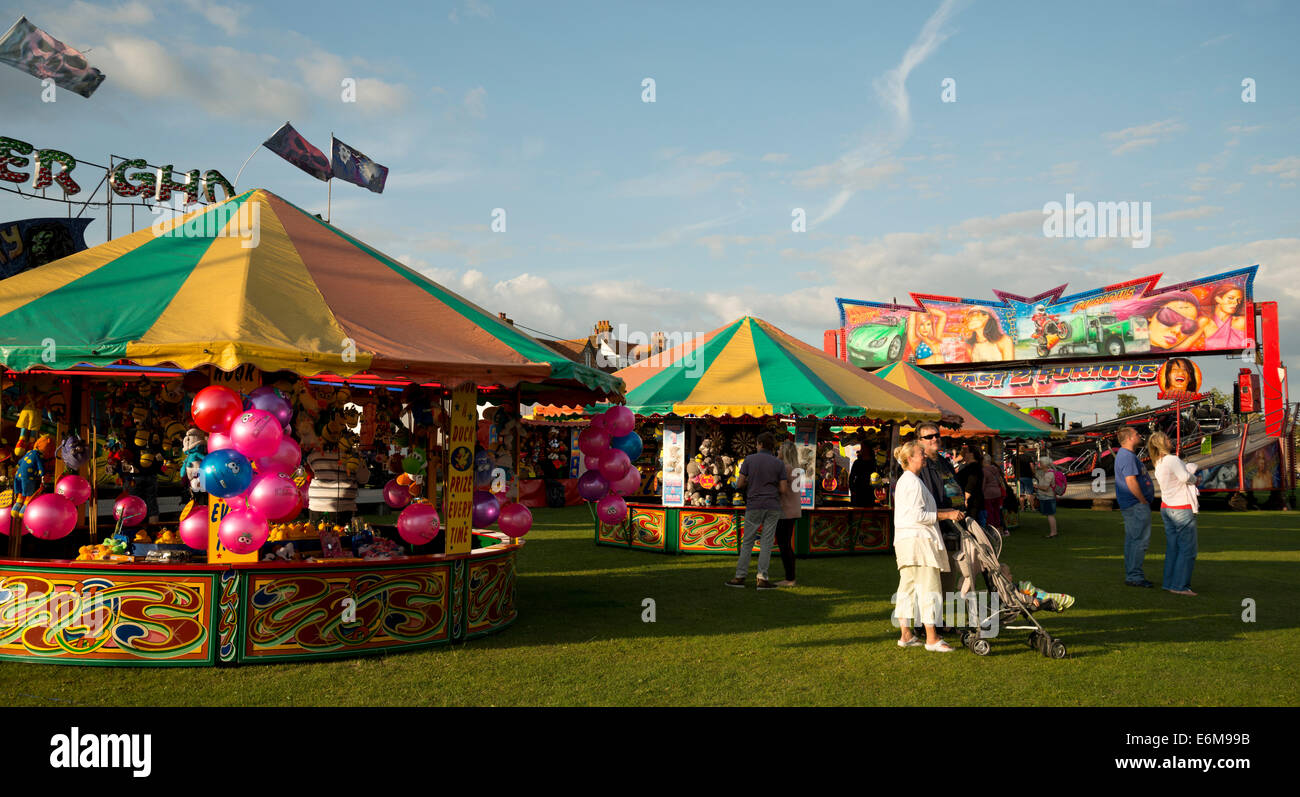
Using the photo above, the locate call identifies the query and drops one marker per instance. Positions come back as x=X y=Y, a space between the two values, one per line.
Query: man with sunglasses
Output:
x=933 y=474
x=1134 y=494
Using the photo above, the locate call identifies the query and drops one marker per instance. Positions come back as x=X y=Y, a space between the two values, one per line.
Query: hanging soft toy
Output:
x=29 y=424
x=30 y=475
x=73 y=452
x=191 y=472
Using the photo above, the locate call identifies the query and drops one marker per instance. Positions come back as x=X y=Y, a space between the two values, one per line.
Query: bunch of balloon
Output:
x=53 y=515
x=250 y=465
x=609 y=447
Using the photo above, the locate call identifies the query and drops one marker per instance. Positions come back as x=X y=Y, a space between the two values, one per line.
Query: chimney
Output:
x=602 y=331
x=657 y=343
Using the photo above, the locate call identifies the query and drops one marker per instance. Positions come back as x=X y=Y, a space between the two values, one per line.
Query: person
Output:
x=987 y=341
x=970 y=475
x=919 y=550
x=1179 y=377
x=763 y=479
x=790 y=511
x=1134 y=494
x=1178 y=507
x=1227 y=327
x=861 y=491
x=1045 y=493
x=333 y=488
x=1174 y=320
x=1024 y=474
x=936 y=471
x=995 y=489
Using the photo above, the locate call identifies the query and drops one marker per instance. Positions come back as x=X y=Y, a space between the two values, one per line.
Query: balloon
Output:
x=74 y=488
x=629 y=444
x=131 y=510
x=275 y=496
x=591 y=440
x=243 y=530
x=592 y=486
x=611 y=509
x=219 y=442
x=226 y=473
x=515 y=520
x=286 y=458
x=235 y=502
x=619 y=421
x=600 y=422
x=193 y=528
x=594 y=461
x=268 y=399
x=4 y=521
x=613 y=465
x=396 y=495
x=256 y=434
x=630 y=484
x=418 y=524
x=486 y=508
x=50 y=516
x=215 y=407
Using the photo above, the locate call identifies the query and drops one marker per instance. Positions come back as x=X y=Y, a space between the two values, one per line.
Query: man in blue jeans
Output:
x=1134 y=494
x=763 y=477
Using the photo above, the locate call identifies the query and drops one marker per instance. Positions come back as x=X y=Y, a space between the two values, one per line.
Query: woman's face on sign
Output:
x=1230 y=302
x=1169 y=325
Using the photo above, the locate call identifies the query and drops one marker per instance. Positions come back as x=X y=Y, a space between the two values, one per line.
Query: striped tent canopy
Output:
x=985 y=417
x=307 y=298
x=751 y=368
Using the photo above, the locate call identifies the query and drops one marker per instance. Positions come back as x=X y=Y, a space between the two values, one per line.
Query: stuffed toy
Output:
x=73 y=452
x=694 y=496
x=29 y=423
x=30 y=475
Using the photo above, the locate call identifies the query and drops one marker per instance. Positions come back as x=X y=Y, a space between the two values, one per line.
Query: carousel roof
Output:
x=257 y=280
x=985 y=417
x=750 y=367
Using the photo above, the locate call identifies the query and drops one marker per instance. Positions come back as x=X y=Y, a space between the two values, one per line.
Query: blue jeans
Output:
x=1137 y=536
x=1180 y=547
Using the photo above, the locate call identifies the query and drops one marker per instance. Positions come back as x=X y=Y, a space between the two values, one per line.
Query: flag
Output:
x=290 y=145
x=29 y=243
x=36 y=52
x=350 y=165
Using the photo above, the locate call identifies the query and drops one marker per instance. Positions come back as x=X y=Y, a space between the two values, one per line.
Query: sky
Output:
x=678 y=215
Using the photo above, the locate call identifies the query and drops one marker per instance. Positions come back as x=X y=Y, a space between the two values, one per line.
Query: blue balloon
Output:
x=629 y=444
x=226 y=472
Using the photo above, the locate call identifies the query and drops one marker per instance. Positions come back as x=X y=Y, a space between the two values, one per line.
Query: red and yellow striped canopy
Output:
x=750 y=367
x=307 y=297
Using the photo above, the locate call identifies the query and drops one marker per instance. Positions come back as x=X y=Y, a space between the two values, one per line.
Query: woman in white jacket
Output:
x=1178 y=507
x=918 y=548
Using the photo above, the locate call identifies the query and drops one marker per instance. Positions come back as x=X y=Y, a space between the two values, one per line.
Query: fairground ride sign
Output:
x=1211 y=314
x=1059 y=380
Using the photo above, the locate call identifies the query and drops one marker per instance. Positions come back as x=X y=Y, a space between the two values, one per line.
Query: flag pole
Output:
x=241 y=168
x=329 y=191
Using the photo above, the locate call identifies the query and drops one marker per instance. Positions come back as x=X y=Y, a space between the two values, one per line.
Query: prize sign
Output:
x=460 y=469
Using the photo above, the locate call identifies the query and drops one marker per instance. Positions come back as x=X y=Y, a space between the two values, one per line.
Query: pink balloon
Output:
x=396 y=495
x=630 y=484
x=611 y=509
x=50 y=516
x=591 y=440
x=614 y=464
x=243 y=531
x=237 y=502
x=275 y=496
x=256 y=434
x=600 y=422
x=286 y=457
x=131 y=510
x=419 y=524
x=619 y=421
x=218 y=441
x=4 y=521
x=74 y=488
x=595 y=460
x=193 y=528
x=515 y=520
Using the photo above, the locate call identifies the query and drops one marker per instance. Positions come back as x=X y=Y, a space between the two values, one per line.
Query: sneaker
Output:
x=765 y=584
x=1142 y=583
x=785 y=583
x=739 y=583
x=939 y=647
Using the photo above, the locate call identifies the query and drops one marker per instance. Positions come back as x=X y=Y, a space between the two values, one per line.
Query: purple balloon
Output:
x=268 y=399
x=418 y=524
x=486 y=509
x=613 y=465
x=630 y=484
x=592 y=440
x=396 y=495
x=619 y=421
x=286 y=458
x=592 y=486
x=515 y=520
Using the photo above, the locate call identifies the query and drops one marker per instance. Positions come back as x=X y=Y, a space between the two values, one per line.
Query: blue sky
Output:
x=676 y=215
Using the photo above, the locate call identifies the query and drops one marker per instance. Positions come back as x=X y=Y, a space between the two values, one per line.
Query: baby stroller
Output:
x=979 y=552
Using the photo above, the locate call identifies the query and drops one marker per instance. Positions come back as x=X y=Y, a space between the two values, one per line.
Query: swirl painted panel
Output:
x=305 y=613
x=648 y=528
x=617 y=532
x=872 y=532
x=708 y=531
x=228 y=614
x=491 y=594
x=831 y=532
x=116 y=617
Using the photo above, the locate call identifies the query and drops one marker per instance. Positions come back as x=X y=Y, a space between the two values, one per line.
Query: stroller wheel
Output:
x=1033 y=639
x=980 y=647
x=1057 y=650
x=965 y=638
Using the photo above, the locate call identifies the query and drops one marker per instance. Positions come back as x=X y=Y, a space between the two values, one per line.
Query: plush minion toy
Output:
x=29 y=424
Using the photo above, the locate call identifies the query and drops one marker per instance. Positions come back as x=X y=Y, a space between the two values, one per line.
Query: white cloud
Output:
x=1217 y=40
x=775 y=157
x=1287 y=168
x=1243 y=130
x=225 y=17
x=1191 y=213
x=1139 y=136
x=714 y=158
x=471 y=8
x=324 y=72
x=475 y=102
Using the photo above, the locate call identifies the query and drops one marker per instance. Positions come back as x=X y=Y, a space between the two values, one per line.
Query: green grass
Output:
x=579 y=639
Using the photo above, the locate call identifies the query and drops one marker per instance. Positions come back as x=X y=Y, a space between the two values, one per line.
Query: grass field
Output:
x=580 y=639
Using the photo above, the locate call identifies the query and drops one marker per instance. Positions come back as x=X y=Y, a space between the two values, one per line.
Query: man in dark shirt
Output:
x=933 y=474
x=763 y=478
x=1025 y=475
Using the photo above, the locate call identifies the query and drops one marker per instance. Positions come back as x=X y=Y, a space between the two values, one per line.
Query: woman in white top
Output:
x=1178 y=507
x=918 y=548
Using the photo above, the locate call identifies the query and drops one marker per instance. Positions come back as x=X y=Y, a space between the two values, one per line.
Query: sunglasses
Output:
x=928 y=436
x=1172 y=318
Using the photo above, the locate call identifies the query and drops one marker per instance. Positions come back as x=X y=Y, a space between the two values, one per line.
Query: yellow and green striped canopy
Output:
x=750 y=367
x=256 y=280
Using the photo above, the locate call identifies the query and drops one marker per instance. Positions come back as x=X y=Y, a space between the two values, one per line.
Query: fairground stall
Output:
x=700 y=407
x=294 y=368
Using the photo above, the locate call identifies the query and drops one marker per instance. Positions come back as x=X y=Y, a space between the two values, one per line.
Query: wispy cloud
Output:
x=1217 y=40
x=861 y=167
x=471 y=8
x=476 y=102
x=1139 y=136
x=1287 y=168
x=1191 y=213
